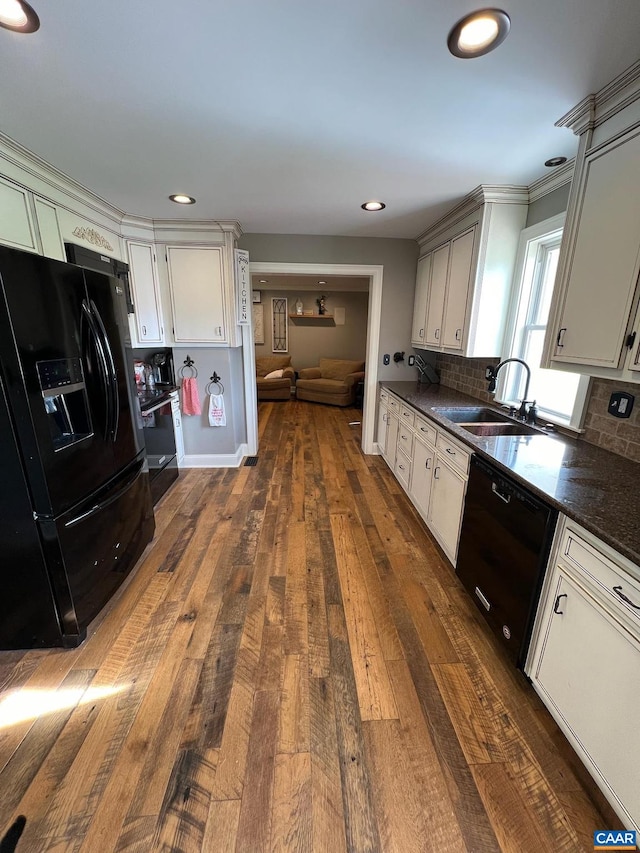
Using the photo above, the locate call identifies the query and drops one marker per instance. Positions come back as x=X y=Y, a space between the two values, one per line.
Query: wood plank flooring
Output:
x=293 y=667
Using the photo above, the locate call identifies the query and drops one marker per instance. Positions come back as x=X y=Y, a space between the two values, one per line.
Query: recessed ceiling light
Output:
x=479 y=33
x=180 y=198
x=373 y=205
x=18 y=16
x=555 y=161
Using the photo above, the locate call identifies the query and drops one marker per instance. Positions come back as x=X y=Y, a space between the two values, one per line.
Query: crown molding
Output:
x=581 y=117
x=206 y=227
x=596 y=109
x=501 y=194
x=44 y=172
x=558 y=177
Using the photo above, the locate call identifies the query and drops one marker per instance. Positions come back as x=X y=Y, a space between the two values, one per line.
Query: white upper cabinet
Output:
x=196 y=280
x=51 y=242
x=17 y=228
x=594 y=307
x=145 y=289
x=472 y=255
x=420 y=302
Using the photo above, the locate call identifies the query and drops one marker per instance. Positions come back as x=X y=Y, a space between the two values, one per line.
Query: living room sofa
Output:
x=274 y=387
x=333 y=381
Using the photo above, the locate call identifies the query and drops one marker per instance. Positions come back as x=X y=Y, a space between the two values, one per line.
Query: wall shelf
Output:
x=313 y=319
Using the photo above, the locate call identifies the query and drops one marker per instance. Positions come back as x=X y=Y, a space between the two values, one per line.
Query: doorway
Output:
x=373 y=274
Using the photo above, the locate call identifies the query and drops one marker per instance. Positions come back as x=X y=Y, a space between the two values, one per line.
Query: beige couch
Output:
x=333 y=381
x=274 y=389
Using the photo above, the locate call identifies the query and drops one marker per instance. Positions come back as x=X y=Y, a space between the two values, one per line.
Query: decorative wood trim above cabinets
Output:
x=94 y=237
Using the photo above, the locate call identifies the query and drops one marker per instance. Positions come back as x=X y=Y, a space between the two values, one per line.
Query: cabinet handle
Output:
x=458 y=334
x=620 y=594
x=401 y=467
x=450 y=451
x=560 y=337
x=435 y=473
x=424 y=429
x=437 y=334
x=427 y=464
x=630 y=340
x=557 y=604
x=144 y=330
x=404 y=437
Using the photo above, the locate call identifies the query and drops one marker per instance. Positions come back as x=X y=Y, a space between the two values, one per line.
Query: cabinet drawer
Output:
x=622 y=590
x=384 y=398
x=407 y=415
x=453 y=452
x=402 y=469
x=425 y=429
x=394 y=403
x=405 y=440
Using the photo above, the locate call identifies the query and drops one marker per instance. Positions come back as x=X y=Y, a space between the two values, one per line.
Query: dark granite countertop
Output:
x=599 y=489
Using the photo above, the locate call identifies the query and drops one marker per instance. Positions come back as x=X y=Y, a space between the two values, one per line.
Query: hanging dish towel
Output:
x=217 y=416
x=190 y=399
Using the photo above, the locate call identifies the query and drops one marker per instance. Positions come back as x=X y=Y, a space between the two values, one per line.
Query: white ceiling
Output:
x=287 y=115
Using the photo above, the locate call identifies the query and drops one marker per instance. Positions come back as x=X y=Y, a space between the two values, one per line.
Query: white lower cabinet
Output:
x=585 y=662
x=429 y=464
x=446 y=505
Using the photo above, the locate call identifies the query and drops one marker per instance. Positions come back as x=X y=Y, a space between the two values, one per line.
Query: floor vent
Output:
x=251 y=461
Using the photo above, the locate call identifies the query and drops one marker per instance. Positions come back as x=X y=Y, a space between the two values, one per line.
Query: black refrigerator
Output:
x=75 y=506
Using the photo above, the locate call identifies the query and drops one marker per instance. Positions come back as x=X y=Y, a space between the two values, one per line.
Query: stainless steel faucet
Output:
x=529 y=414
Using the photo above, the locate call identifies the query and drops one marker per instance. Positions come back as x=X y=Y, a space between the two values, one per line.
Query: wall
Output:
x=308 y=339
x=619 y=435
x=549 y=205
x=399 y=258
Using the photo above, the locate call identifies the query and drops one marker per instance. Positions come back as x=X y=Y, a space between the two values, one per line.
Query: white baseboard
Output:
x=215 y=460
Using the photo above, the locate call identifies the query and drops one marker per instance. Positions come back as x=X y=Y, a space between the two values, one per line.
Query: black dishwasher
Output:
x=504 y=546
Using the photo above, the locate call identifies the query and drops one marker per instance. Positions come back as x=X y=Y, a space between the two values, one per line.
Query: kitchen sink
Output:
x=473 y=415
x=481 y=420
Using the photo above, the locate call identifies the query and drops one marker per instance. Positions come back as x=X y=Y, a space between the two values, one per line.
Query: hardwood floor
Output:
x=293 y=667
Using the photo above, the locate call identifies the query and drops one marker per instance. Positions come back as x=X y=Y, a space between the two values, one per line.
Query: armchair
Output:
x=334 y=382
x=278 y=387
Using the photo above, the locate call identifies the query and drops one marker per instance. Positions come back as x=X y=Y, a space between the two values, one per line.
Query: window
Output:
x=559 y=395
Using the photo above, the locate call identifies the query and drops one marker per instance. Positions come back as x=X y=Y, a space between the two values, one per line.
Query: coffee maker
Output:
x=162 y=367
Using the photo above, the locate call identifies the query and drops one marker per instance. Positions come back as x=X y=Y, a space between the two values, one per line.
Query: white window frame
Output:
x=530 y=240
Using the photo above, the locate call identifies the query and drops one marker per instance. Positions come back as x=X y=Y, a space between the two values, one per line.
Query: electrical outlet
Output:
x=411 y=360
x=620 y=404
x=386 y=358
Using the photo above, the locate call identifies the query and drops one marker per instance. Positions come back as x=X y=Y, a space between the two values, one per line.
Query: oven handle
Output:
x=498 y=494
x=165 y=402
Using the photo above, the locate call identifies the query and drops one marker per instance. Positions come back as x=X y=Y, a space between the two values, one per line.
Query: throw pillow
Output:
x=275 y=374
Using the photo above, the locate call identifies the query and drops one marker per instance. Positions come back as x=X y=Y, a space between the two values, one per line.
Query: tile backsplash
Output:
x=621 y=436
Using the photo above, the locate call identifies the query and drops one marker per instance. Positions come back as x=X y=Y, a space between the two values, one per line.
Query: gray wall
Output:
x=309 y=339
x=549 y=205
x=399 y=258
x=199 y=437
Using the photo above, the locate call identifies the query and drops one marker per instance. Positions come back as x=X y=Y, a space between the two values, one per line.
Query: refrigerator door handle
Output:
x=111 y=499
x=104 y=370
x=113 y=376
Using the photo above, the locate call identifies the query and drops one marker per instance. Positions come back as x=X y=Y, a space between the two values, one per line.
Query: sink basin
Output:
x=473 y=415
x=481 y=420
x=500 y=429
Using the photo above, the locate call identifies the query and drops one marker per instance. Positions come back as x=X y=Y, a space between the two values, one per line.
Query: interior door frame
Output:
x=374 y=272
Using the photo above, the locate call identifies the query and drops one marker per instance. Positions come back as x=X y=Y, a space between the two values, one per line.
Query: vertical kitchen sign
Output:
x=243 y=286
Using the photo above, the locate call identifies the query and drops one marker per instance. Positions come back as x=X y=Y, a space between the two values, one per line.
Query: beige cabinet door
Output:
x=49 y=230
x=146 y=294
x=437 y=291
x=392 y=439
x=420 y=301
x=17 y=228
x=382 y=430
x=601 y=267
x=445 y=510
x=197 y=294
x=422 y=477
x=458 y=285
x=587 y=659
